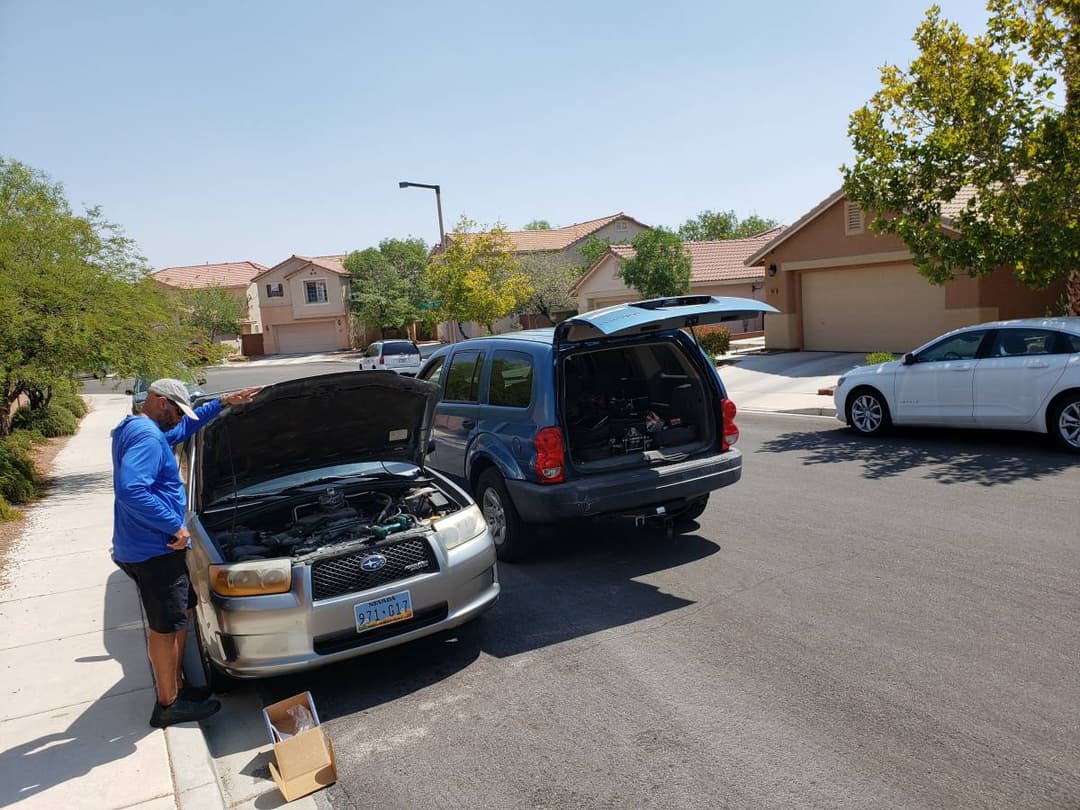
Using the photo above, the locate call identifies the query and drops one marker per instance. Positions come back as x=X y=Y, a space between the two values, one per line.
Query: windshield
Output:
x=361 y=469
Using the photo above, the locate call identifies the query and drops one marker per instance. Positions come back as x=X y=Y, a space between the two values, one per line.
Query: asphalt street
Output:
x=857 y=623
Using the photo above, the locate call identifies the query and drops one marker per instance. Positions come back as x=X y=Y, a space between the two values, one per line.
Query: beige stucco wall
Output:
x=619 y=232
x=823 y=245
x=292 y=308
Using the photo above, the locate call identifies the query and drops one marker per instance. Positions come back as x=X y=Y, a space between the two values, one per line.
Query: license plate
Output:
x=397 y=607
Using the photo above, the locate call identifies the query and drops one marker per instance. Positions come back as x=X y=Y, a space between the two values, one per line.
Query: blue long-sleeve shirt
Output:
x=150 y=501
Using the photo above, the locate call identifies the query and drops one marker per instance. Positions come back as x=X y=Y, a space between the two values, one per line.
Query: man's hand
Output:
x=180 y=539
x=241 y=397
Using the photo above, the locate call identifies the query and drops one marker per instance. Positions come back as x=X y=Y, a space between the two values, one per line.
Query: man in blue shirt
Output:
x=150 y=540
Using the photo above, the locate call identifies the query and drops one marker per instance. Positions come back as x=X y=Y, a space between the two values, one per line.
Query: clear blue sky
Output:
x=228 y=130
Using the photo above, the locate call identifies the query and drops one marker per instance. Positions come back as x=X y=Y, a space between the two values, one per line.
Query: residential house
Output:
x=235 y=277
x=717 y=268
x=840 y=287
x=304 y=305
x=565 y=241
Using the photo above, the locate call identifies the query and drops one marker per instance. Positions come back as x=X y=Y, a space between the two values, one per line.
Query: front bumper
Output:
x=637 y=491
x=262 y=636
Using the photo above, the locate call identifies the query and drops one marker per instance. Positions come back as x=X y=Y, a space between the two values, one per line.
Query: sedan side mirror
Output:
x=129 y=392
x=909 y=359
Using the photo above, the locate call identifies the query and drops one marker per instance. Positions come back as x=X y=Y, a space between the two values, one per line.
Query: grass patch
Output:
x=874 y=358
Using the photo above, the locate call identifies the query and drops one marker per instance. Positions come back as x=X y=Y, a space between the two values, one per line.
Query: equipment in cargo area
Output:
x=626 y=401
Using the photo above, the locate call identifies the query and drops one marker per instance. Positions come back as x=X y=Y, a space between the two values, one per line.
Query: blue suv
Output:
x=614 y=412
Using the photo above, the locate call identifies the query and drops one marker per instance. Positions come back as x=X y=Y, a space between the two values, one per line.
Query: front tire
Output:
x=511 y=534
x=868 y=413
x=1064 y=423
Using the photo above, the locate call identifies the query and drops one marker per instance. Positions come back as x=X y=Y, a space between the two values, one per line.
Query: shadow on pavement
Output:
x=106 y=731
x=797 y=364
x=948 y=456
x=577 y=582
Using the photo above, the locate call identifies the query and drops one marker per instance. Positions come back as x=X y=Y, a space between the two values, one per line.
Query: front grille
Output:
x=338 y=575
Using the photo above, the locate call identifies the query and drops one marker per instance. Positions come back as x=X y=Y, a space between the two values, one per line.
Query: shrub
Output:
x=70 y=402
x=52 y=420
x=16 y=469
x=874 y=358
x=7 y=511
x=714 y=340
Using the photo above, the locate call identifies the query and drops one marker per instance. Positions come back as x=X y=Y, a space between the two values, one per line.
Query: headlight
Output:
x=460 y=527
x=840 y=381
x=252 y=578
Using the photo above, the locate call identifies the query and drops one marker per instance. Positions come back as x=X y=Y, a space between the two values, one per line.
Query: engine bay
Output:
x=328 y=519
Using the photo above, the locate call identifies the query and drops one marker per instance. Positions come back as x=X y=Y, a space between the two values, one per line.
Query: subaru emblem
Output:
x=373 y=562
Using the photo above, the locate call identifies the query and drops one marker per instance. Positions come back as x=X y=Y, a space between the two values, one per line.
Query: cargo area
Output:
x=327 y=522
x=633 y=405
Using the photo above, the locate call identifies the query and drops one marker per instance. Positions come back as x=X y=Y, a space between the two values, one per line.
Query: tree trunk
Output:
x=1072 y=293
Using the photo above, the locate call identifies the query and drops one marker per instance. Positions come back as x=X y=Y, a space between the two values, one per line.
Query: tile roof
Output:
x=560 y=238
x=224 y=274
x=333 y=262
x=721 y=260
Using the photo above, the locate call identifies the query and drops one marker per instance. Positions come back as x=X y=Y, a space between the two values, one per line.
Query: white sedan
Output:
x=1015 y=375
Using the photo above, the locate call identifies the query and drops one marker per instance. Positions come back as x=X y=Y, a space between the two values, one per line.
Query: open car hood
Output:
x=657 y=315
x=316 y=422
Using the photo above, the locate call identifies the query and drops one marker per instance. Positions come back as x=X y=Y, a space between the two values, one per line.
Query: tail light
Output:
x=730 y=430
x=550 y=456
x=382 y=359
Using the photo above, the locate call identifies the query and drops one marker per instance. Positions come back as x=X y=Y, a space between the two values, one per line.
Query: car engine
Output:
x=332 y=519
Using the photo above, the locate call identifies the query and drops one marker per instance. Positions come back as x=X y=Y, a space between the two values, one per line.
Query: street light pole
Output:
x=438 y=204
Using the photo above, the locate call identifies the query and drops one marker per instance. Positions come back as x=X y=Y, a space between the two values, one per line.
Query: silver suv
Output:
x=317 y=533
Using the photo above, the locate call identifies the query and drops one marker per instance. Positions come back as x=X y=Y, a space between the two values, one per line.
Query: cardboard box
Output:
x=305 y=760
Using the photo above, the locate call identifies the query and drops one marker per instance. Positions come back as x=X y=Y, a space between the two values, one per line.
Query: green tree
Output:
x=476 y=277
x=711 y=226
x=550 y=275
x=973 y=124
x=593 y=248
x=74 y=296
x=214 y=311
x=381 y=295
x=660 y=266
x=537 y=225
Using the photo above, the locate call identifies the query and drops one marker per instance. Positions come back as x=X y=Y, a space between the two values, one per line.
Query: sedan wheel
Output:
x=867 y=412
x=1065 y=424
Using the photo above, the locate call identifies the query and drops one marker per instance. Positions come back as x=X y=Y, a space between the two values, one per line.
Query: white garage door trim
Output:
x=865 y=309
x=303 y=338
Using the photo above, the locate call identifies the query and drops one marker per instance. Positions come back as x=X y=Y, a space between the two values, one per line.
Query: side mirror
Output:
x=909 y=359
x=129 y=392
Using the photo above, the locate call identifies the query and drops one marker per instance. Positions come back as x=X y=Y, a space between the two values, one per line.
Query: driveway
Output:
x=785 y=382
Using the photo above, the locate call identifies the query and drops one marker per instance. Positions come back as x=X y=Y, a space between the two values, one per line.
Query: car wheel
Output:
x=1065 y=423
x=693 y=510
x=867 y=412
x=511 y=534
x=217 y=680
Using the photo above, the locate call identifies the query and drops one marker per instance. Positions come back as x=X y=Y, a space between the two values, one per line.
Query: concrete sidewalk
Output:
x=76 y=691
x=785 y=382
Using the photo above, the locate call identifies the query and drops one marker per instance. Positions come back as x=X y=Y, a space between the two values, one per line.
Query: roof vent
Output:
x=853 y=219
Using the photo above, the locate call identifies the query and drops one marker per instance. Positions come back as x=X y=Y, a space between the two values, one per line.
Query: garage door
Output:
x=867 y=309
x=303 y=338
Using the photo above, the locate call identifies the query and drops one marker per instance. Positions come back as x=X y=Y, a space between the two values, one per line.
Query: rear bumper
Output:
x=637 y=491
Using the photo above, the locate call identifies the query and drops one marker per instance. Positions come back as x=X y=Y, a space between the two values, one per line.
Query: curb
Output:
x=193 y=773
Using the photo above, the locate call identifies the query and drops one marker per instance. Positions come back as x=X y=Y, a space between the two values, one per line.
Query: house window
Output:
x=853 y=219
x=275 y=290
x=315 y=292
x=620 y=226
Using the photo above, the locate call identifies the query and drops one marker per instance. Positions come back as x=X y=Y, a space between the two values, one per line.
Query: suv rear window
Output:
x=511 y=380
x=400 y=347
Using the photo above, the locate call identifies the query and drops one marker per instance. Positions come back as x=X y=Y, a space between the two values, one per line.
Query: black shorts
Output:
x=164 y=588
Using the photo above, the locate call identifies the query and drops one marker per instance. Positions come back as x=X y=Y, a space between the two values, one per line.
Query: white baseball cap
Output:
x=176 y=392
